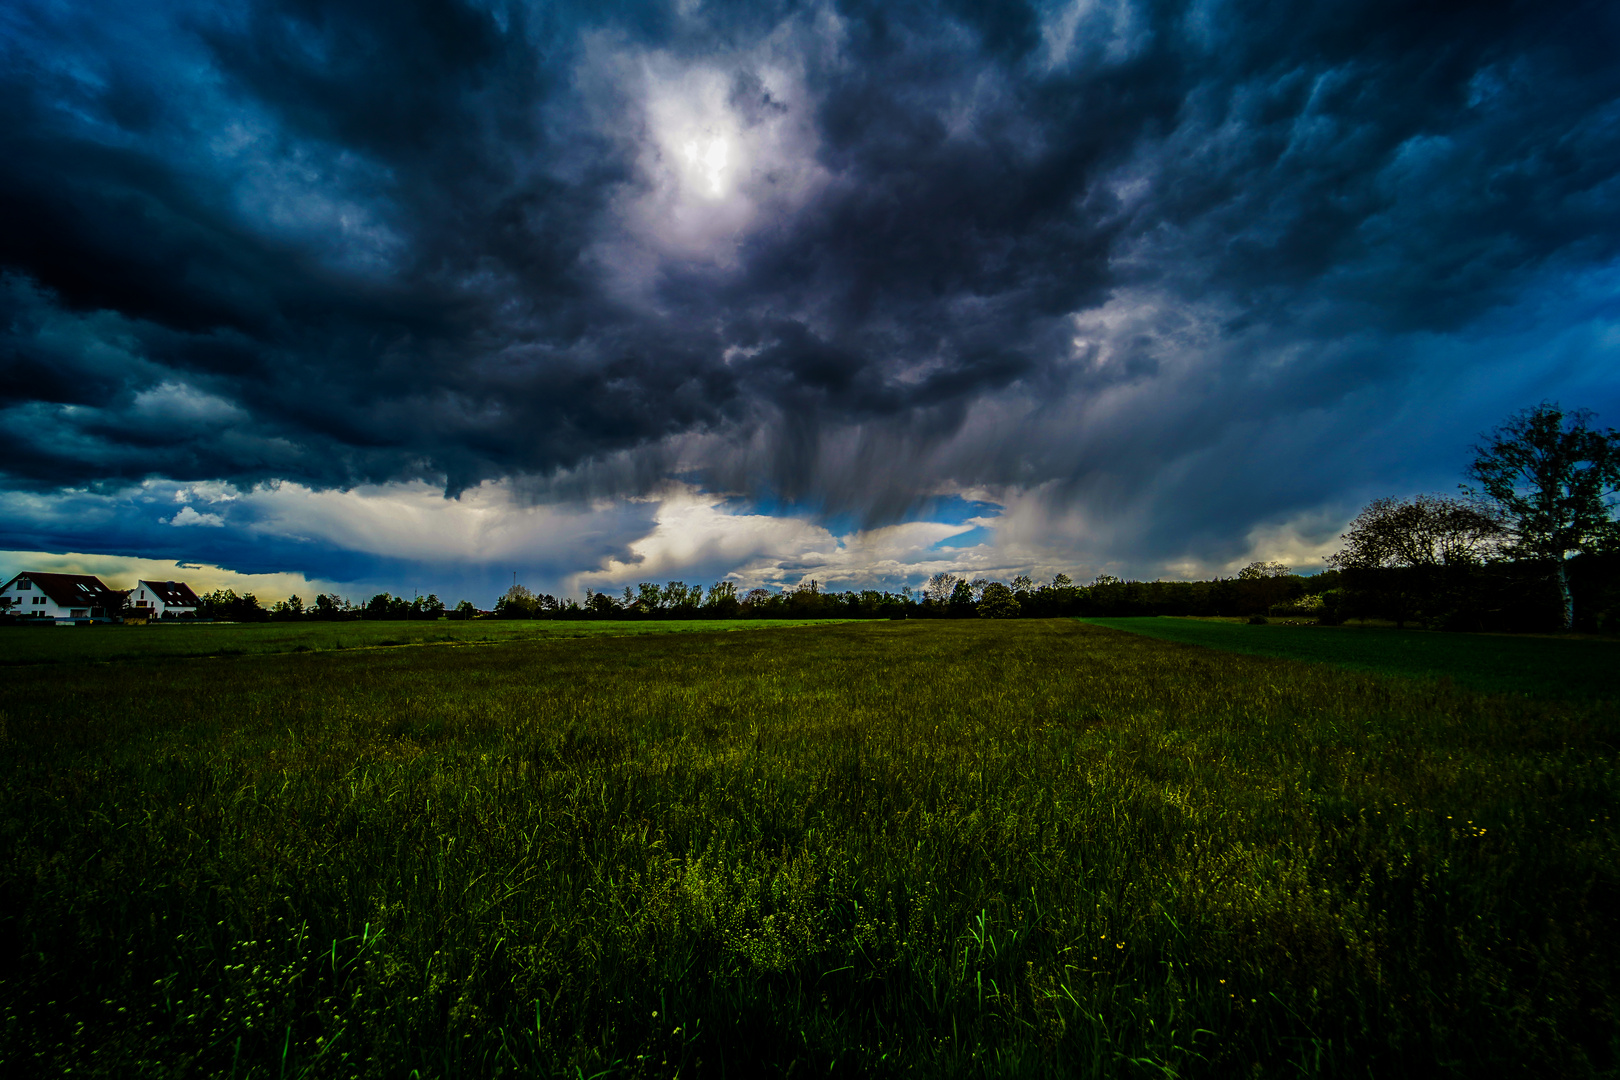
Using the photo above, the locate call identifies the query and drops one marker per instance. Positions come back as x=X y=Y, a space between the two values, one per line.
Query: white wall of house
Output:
x=23 y=597
x=145 y=600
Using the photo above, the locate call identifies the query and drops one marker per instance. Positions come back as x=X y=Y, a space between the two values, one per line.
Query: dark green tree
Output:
x=681 y=599
x=117 y=604
x=996 y=601
x=385 y=606
x=1553 y=478
x=1429 y=530
x=1262 y=584
x=517 y=603
x=225 y=604
x=807 y=601
x=961 y=603
x=722 y=601
x=1406 y=551
x=1022 y=586
x=650 y=599
x=330 y=607
x=288 y=610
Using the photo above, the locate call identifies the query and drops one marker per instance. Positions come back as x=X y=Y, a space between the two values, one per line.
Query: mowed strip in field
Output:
x=1540 y=665
x=935 y=848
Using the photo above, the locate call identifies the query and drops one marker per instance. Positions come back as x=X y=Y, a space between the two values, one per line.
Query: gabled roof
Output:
x=70 y=590
x=172 y=593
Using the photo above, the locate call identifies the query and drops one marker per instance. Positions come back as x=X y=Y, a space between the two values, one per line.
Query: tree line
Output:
x=1261 y=587
x=227 y=605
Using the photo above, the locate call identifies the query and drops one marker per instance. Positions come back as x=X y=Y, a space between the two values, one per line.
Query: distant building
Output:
x=34 y=595
x=161 y=600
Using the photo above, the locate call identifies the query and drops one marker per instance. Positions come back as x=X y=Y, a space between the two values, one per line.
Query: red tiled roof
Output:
x=70 y=590
x=173 y=593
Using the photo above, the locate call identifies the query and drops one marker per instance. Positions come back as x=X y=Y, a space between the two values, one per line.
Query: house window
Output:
x=24 y=583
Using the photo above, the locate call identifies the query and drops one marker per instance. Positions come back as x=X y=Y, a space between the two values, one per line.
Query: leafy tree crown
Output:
x=1553 y=477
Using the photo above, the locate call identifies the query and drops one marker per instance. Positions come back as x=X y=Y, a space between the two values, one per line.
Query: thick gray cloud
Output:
x=847 y=254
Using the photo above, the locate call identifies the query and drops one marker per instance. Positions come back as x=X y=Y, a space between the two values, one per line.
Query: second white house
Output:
x=161 y=600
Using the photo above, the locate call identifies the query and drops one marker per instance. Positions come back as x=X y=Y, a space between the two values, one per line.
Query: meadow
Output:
x=1538 y=665
x=932 y=848
x=110 y=643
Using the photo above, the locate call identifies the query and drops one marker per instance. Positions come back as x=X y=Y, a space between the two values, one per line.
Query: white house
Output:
x=34 y=595
x=161 y=600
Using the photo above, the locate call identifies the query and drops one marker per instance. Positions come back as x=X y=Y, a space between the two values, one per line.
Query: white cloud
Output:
x=1301 y=542
x=188 y=516
x=679 y=532
x=209 y=492
x=691 y=530
x=490 y=523
x=696 y=531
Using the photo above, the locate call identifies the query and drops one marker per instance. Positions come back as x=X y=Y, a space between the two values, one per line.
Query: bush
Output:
x=1303 y=607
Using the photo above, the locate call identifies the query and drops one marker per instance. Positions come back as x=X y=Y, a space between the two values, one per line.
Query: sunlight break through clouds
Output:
x=708 y=157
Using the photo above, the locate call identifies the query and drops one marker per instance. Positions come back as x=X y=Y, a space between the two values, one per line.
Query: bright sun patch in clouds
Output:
x=724 y=146
x=707 y=159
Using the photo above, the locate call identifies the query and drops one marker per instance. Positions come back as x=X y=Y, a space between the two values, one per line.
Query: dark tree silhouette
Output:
x=1553 y=477
x=1404 y=548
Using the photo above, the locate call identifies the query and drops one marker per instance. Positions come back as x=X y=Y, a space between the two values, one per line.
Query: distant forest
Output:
x=1499 y=595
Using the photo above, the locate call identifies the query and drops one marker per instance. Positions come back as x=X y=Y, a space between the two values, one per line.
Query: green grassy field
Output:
x=104 y=643
x=957 y=848
x=1496 y=663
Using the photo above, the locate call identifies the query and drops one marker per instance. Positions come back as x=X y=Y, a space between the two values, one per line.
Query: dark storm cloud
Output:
x=349 y=242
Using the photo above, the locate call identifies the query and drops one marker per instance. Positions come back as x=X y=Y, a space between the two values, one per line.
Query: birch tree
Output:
x=1553 y=476
x=941 y=587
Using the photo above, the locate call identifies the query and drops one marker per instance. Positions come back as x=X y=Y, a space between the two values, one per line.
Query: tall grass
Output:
x=1542 y=665
x=946 y=848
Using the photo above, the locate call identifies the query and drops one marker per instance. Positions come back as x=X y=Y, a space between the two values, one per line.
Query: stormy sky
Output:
x=416 y=294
